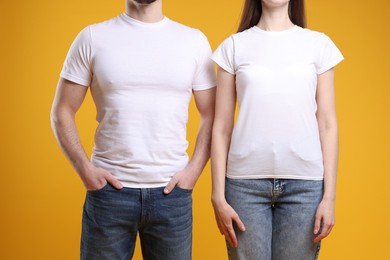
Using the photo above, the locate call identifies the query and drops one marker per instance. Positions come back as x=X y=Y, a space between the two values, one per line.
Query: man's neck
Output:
x=147 y=13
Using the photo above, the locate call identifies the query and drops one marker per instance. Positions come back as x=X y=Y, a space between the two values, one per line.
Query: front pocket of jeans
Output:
x=99 y=190
x=243 y=183
x=183 y=190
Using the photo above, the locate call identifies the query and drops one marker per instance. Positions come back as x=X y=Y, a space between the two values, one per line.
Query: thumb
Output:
x=239 y=223
x=317 y=225
x=170 y=186
x=113 y=181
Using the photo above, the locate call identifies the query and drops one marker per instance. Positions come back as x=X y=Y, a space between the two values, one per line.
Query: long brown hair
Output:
x=253 y=9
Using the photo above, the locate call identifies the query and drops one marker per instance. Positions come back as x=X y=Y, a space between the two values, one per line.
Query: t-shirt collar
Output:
x=136 y=22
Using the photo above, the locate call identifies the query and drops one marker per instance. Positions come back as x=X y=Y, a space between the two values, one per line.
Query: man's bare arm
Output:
x=68 y=99
x=205 y=102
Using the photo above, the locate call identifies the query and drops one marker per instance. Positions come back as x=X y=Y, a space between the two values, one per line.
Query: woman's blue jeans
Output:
x=112 y=218
x=279 y=218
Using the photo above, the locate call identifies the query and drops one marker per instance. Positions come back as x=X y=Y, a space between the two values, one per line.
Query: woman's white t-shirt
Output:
x=276 y=134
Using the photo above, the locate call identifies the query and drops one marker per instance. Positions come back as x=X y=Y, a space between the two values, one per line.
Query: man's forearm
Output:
x=65 y=130
x=202 y=147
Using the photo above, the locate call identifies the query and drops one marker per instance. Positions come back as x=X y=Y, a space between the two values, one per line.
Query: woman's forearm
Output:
x=222 y=132
x=329 y=144
x=219 y=153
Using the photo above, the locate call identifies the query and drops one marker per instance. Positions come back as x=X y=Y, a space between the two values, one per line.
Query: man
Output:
x=141 y=68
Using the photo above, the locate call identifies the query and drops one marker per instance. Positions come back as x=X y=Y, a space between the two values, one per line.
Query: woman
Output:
x=280 y=160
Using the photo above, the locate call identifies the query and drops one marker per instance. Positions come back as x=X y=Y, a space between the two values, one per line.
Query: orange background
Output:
x=41 y=196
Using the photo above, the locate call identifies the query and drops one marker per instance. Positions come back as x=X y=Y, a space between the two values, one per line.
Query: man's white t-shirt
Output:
x=141 y=76
x=276 y=134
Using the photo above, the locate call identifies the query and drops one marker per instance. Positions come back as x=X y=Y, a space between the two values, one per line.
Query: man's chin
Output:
x=144 y=2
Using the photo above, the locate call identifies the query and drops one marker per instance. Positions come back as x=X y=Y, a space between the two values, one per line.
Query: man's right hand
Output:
x=96 y=178
x=68 y=99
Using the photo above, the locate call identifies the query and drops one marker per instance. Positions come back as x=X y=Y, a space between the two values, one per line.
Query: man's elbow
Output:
x=207 y=117
x=58 y=116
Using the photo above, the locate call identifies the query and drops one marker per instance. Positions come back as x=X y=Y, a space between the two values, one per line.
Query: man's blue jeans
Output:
x=112 y=218
x=278 y=215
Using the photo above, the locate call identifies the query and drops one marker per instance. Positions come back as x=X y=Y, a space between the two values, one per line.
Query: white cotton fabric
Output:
x=276 y=134
x=141 y=76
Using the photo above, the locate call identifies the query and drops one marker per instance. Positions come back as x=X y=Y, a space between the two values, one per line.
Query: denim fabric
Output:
x=112 y=218
x=279 y=218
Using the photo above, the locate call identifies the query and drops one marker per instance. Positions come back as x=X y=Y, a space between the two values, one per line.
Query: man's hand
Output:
x=185 y=179
x=96 y=178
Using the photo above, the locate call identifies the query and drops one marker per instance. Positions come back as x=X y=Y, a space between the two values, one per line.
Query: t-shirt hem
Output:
x=132 y=185
x=222 y=65
x=204 y=86
x=135 y=179
x=274 y=176
x=75 y=79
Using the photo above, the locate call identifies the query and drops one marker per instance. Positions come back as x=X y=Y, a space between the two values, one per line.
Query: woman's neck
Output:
x=275 y=18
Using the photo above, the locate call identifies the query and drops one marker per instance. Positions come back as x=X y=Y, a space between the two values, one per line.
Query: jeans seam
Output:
x=317 y=251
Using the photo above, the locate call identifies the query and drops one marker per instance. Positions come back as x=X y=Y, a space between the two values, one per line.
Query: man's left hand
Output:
x=185 y=179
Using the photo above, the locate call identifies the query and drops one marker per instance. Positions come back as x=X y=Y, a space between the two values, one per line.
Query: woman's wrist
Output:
x=329 y=197
x=218 y=199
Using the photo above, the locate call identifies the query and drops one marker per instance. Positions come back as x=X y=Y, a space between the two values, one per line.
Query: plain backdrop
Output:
x=41 y=197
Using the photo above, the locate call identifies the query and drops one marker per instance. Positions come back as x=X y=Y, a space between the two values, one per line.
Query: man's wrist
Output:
x=83 y=168
x=192 y=170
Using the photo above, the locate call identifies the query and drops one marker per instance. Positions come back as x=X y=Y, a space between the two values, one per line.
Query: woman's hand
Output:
x=324 y=220
x=225 y=216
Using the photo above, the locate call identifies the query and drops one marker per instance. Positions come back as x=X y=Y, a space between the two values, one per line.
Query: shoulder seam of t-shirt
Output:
x=234 y=54
x=77 y=79
x=200 y=35
x=90 y=40
x=91 y=53
x=221 y=63
x=332 y=63
x=207 y=85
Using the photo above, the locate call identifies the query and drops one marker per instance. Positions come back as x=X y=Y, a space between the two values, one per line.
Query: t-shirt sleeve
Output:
x=329 y=56
x=204 y=77
x=77 y=65
x=224 y=55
